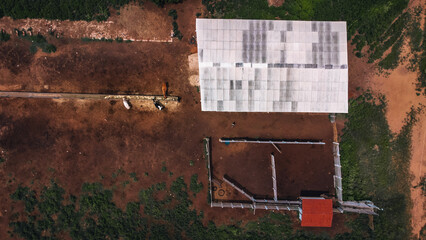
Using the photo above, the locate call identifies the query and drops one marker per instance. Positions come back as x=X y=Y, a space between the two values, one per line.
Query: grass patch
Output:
x=117 y=173
x=125 y=183
x=38 y=41
x=375 y=166
x=194 y=185
x=161 y=3
x=132 y=175
x=415 y=33
x=421 y=80
x=93 y=215
x=4 y=36
x=391 y=37
x=392 y=60
x=173 y=14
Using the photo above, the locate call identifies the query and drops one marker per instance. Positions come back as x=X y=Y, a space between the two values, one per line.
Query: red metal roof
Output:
x=317 y=212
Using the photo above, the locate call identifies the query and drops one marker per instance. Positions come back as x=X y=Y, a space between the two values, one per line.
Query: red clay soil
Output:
x=299 y=167
x=77 y=141
x=85 y=141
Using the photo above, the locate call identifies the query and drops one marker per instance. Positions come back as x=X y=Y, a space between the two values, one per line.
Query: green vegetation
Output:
x=38 y=41
x=375 y=166
x=56 y=9
x=117 y=173
x=176 y=32
x=133 y=176
x=2 y=160
x=391 y=25
x=421 y=83
x=4 y=36
x=161 y=3
x=125 y=183
x=27 y=196
x=194 y=185
x=391 y=61
x=415 y=33
x=389 y=38
x=118 y=39
x=359 y=14
x=93 y=215
x=173 y=14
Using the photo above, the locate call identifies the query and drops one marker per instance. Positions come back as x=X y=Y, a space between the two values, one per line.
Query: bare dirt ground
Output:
x=135 y=22
x=275 y=3
x=299 y=167
x=85 y=141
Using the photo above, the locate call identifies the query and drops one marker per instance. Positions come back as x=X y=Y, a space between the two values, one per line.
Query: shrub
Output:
x=133 y=176
x=194 y=185
x=176 y=32
x=49 y=48
x=4 y=36
x=173 y=14
x=161 y=3
x=26 y=195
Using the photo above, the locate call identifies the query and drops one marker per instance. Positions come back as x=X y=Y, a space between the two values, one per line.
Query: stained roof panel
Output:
x=272 y=66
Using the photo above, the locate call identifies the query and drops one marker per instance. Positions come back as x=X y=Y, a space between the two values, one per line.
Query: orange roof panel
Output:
x=317 y=212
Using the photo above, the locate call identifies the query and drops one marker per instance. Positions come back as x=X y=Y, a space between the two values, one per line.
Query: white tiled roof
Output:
x=272 y=66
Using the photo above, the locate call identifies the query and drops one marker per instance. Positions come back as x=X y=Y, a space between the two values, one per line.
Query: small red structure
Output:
x=316 y=212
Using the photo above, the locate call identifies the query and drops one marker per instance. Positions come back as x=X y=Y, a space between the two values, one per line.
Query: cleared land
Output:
x=85 y=141
x=307 y=168
x=96 y=141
